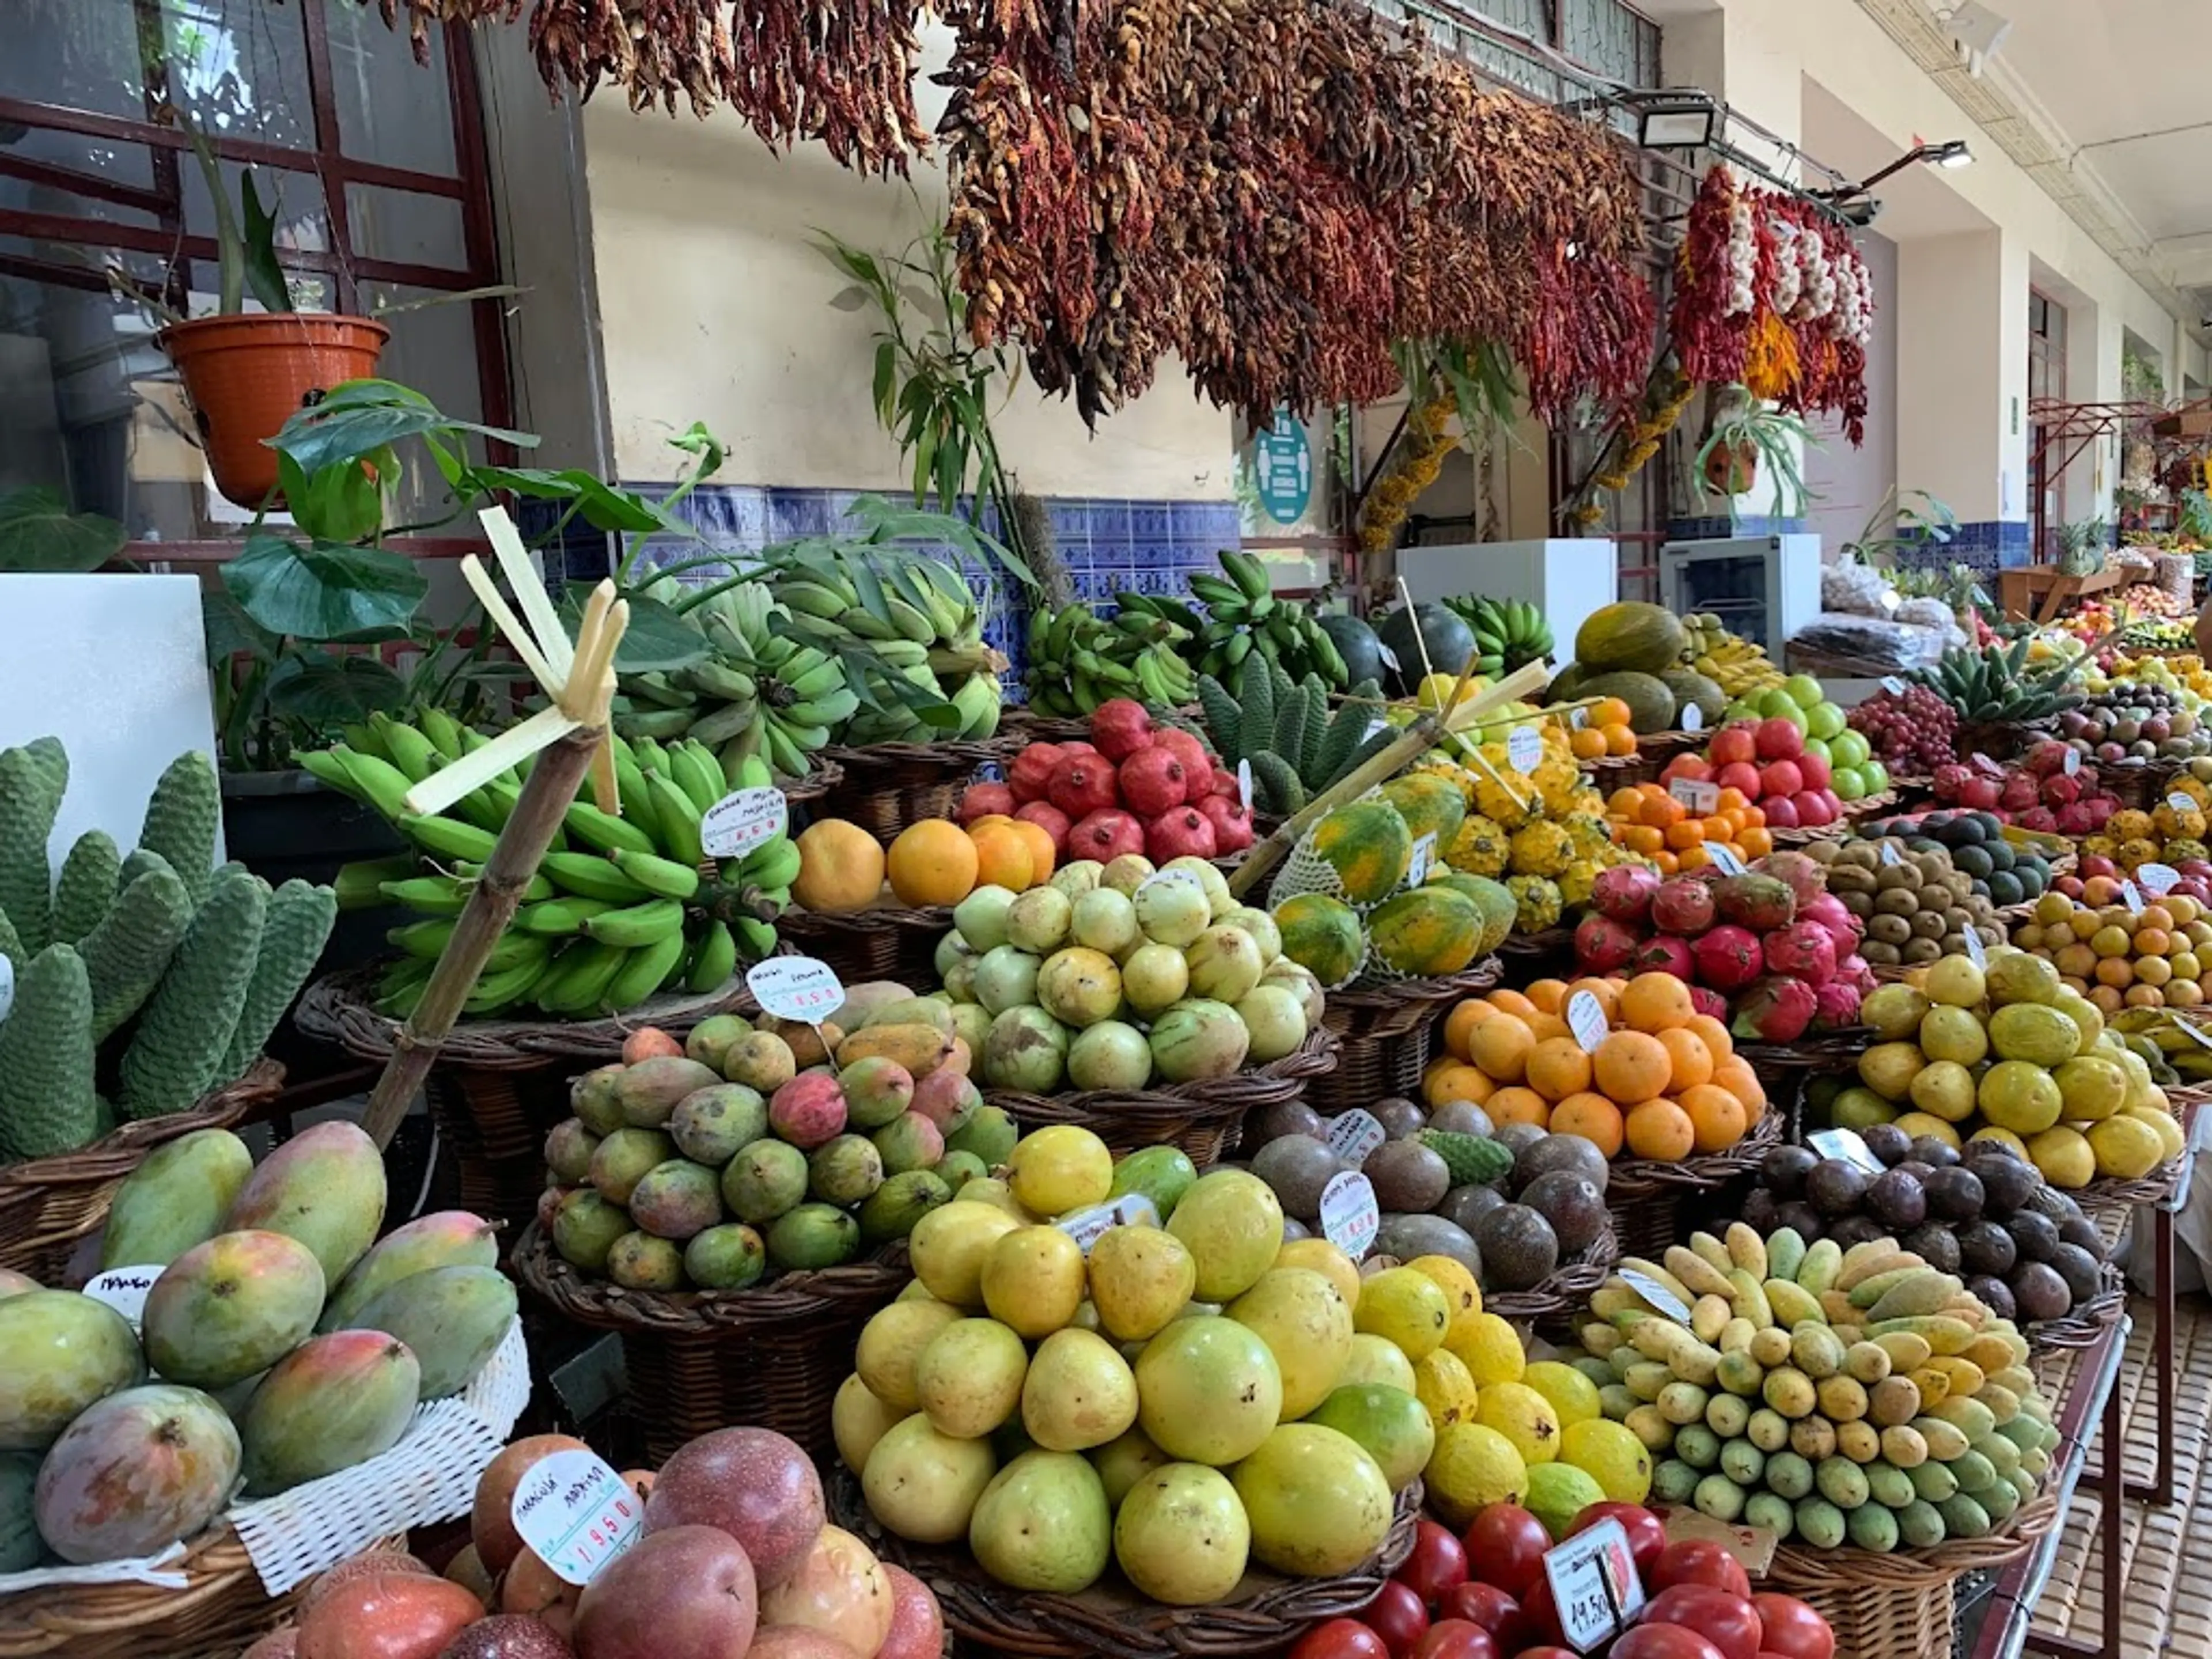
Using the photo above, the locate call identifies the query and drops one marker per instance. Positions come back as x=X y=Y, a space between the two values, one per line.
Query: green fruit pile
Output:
x=1296 y=743
x=1078 y=659
x=1826 y=1395
x=1244 y=617
x=1998 y=683
x=1508 y=633
x=155 y=977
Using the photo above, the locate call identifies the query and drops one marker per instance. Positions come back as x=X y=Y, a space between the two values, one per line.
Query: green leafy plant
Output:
x=1900 y=523
x=1746 y=434
x=2195 y=517
x=39 y=534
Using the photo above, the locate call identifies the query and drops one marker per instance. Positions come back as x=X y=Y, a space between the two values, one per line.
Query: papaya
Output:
x=1323 y=936
x=1427 y=933
x=1430 y=806
x=920 y=1049
x=1493 y=898
x=1369 y=846
x=1629 y=635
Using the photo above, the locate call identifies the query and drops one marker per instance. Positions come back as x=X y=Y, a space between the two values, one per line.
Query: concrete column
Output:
x=2093 y=375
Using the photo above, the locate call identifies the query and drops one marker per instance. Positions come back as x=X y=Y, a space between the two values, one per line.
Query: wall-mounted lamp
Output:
x=1677 y=119
x=1953 y=152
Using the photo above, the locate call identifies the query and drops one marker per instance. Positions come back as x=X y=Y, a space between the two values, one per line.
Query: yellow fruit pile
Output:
x=1543 y=834
x=2160 y=957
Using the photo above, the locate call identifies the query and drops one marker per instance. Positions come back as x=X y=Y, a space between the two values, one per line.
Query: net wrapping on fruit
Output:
x=1307 y=872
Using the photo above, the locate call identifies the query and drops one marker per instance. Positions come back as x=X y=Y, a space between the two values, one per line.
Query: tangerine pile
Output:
x=2159 y=958
x=1646 y=819
x=1605 y=730
x=1664 y=1083
x=842 y=867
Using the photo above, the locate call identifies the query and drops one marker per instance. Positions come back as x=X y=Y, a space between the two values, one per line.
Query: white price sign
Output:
x=2072 y=764
x=1349 y=1217
x=1700 y=798
x=2180 y=803
x=1586 y=1019
x=1245 y=784
x=1724 y=859
x=1594 y=1584
x=124 y=1290
x=1657 y=1295
x=2131 y=896
x=1425 y=856
x=1523 y=749
x=1894 y=685
x=1087 y=1227
x=1693 y=718
x=1578 y=718
x=6 y=987
x=737 y=824
x=1976 y=952
x=1373 y=726
x=1846 y=1145
x=1890 y=854
x=796 y=987
x=577 y=1513
x=1389 y=658
x=1352 y=1135
x=2157 y=879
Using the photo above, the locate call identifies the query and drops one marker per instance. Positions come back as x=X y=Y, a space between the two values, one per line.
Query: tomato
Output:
x=1482 y=1604
x=1793 y=1629
x=1694 y=1561
x=1340 y=1638
x=1538 y=1621
x=1725 y=1620
x=1437 y=1562
x=1647 y=1533
x=1456 y=1638
x=1506 y=1546
x=1399 y=1617
x=1663 y=1642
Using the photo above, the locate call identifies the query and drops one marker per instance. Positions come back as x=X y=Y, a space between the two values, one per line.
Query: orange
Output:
x=1663 y=810
x=1755 y=841
x=1693 y=1061
x=1718 y=1043
x=1610 y=711
x=1042 y=853
x=1731 y=799
x=1461 y=1021
x=1739 y=1080
x=1003 y=857
x=2145 y=996
x=933 y=862
x=1547 y=1026
x=1606 y=991
x=987 y=821
x=1511 y=1002
x=1459 y=1081
x=1593 y=1117
x=1659 y=1129
x=1717 y=1118
x=2109 y=1001
x=1518 y=1106
x=1689 y=833
x=1666 y=863
x=1558 y=1067
x=2152 y=941
x=1587 y=743
x=1626 y=802
x=1694 y=858
x=1546 y=994
x=2155 y=916
x=1630 y=1066
x=2115 y=972
x=1502 y=1047
x=1643 y=838
x=1656 y=1002
x=1619 y=740
x=1754 y=817
x=841 y=867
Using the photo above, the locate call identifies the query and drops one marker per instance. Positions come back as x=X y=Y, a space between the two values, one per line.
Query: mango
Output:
x=324 y=1187
x=807 y=1047
x=911 y=1010
x=139 y=1471
x=710 y=1039
x=175 y=1199
x=452 y=1318
x=331 y=1403
x=449 y=1238
x=920 y=1049
x=65 y=1352
x=650 y=1090
x=230 y=1307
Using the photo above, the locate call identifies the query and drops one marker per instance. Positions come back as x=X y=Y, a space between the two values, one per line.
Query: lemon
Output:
x=1325 y=1259
x=1460 y=1291
x=1406 y=1308
x=1492 y=1349
x=2125 y=1147
x=1523 y=1417
x=1059 y=1169
x=2091 y=1088
x=2063 y=1156
x=1572 y=1396
x=2017 y=977
x=1471 y=1468
x=1955 y=982
x=1610 y=1454
x=1558 y=1492
x=1442 y=1384
x=1376 y=1360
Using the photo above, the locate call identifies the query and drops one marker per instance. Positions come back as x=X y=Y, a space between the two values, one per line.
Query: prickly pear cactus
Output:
x=30 y=795
x=85 y=890
x=182 y=819
x=47 y=1104
x=127 y=951
x=179 y=1049
x=297 y=926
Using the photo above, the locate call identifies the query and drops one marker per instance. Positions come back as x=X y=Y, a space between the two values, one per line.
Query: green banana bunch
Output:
x=1243 y=617
x=1508 y=633
x=1078 y=659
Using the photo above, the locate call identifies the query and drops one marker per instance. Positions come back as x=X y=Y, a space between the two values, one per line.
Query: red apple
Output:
x=1779 y=739
x=1733 y=743
x=1083 y=784
x=1031 y=774
x=1185 y=831
x=1780 y=777
x=1120 y=727
x=1812 y=808
x=1048 y=818
x=1781 y=812
x=1152 y=781
x=1814 y=770
x=1740 y=776
x=1694 y=767
x=981 y=800
x=1105 y=836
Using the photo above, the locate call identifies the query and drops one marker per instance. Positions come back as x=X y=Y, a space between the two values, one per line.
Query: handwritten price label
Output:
x=1699 y=798
x=2180 y=803
x=1349 y=1217
x=1578 y=718
x=1245 y=784
x=2131 y=896
x=796 y=987
x=2072 y=764
x=1087 y=1227
x=737 y=824
x=577 y=1513
x=1523 y=749
x=1389 y=658
x=1976 y=952
x=1594 y=1584
x=125 y=1289
x=1586 y=1019
x=1373 y=726
x=1846 y=1145
x=2157 y=879
x=1657 y=1295
x=1425 y=855
x=1352 y=1135
x=6 y=987
x=1693 y=718
x=1724 y=859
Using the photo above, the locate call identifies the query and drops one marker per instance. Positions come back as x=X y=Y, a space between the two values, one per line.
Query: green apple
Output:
x=1849 y=748
x=1804 y=690
x=1823 y=719
x=1876 y=774
x=1848 y=782
x=1778 y=701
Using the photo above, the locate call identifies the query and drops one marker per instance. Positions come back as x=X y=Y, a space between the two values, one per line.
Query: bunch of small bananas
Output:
x=2163 y=1037
x=1507 y=632
x=618 y=911
x=1730 y=661
x=923 y=642
x=1078 y=659
x=1244 y=616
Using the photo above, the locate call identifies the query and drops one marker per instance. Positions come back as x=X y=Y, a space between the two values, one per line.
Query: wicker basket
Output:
x=887 y=786
x=498 y=1085
x=2087 y=1324
x=1563 y=1294
x=1384 y=1035
x=1645 y=1195
x=1548 y=954
x=1901 y=1606
x=1266 y=1614
x=771 y=1357
x=822 y=780
x=885 y=942
x=48 y=1205
x=1201 y=1118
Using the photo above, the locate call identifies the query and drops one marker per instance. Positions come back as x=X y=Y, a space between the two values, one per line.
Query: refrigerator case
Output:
x=1762 y=587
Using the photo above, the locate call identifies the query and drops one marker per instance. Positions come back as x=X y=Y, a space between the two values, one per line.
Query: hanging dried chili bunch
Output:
x=422 y=13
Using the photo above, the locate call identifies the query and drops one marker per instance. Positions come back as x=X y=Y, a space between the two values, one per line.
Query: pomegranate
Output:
x=1049 y=818
x=1031 y=774
x=985 y=800
x=1184 y=831
x=1232 y=824
x=1120 y=727
x=1728 y=957
x=1153 y=783
x=1105 y=836
x=1197 y=762
x=1083 y=784
x=1682 y=905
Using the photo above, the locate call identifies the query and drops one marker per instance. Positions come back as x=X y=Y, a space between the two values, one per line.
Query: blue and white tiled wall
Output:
x=1107 y=544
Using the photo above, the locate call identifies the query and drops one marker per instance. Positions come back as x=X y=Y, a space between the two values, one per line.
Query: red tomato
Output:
x=1538 y=1621
x=1663 y=1642
x=1794 y=1630
x=1482 y=1604
x=1506 y=1546
x=1399 y=1617
x=1438 y=1562
x=1456 y=1638
x=1725 y=1620
x=1694 y=1561
x=1647 y=1533
x=1340 y=1638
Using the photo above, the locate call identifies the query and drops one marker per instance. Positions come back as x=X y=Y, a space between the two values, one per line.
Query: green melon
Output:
x=1630 y=634
x=1564 y=682
x=1650 y=704
x=1689 y=688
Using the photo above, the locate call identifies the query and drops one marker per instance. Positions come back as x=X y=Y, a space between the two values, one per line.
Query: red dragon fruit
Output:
x=1776 y=1010
x=1706 y=1001
x=1665 y=953
x=1802 y=875
x=1624 y=892
x=1603 y=945
x=1728 y=957
x=1857 y=971
x=1804 y=950
x=1827 y=910
x=1836 y=1005
x=1682 y=905
x=1759 y=902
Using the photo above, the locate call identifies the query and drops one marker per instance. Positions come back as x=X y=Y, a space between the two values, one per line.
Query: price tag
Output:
x=1245 y=784
x=6 y=987
x=737 y=824
x=1594 y=1584
x=1700 y=798
x=1578 y=718
x=1523 y=749
x=1586 y=1019
x=1693 y=718
x=2157 y=879
x=2196 y=1033
x=1373 y=726
x=1724 y=859
x=1846 y=1145
x=797 y=987
x=1890 y=854
x=577 y=1513
x=1976 y=952
x=1352 y=1135
x=1894 y=685
x=2131 y=896
x=2180 y=803
x=1349 y=1217
x=1087 y=1227
x=1425 y=855
x=1662 y=1299
x=990 y=772
x=1389 y=658
x=125 y=1289
x=2072 y=764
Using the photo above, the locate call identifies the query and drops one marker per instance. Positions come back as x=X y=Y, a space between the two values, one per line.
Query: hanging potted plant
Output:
x=1744 y=433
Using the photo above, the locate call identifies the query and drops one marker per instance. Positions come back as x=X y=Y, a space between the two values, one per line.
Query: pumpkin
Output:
x=1629 y=635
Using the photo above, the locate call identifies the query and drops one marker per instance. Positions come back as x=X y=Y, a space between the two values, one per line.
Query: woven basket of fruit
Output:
x=890 y=941
x=2088 y=1321
x=1383 y=1035
x=1646 y=1195
x=1563 y=1291
x=824 y=778
x=887 y=786
x=1263 y=1615
x=47 y=1205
